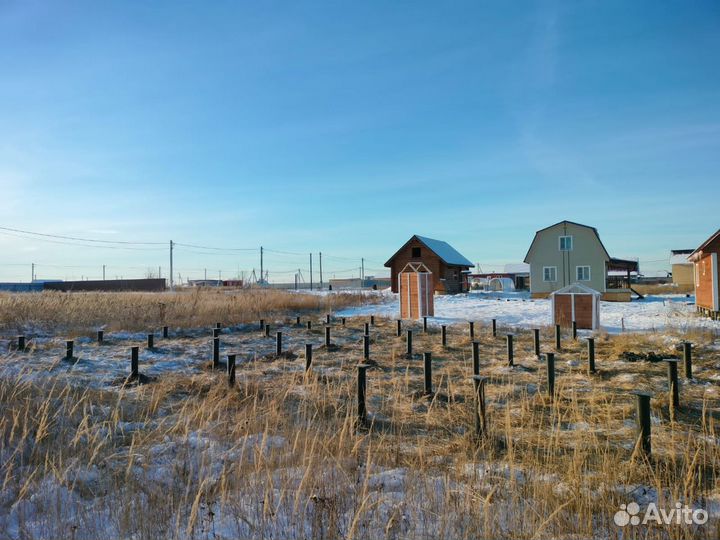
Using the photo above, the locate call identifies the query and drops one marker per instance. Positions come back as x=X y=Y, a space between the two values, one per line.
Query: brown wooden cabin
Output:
x=707 y=291
x=449 y=268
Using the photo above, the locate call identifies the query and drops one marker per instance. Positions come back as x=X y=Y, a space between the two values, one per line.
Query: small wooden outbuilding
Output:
x=707 y=276
x=577 y=303
x=416 y=286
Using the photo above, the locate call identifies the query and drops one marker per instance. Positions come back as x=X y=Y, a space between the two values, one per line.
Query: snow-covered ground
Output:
x=516 y=309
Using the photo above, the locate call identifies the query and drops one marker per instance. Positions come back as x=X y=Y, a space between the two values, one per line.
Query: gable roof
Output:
x=448 y=254
x=593 y=229
x=695 y=255
x=576 y=288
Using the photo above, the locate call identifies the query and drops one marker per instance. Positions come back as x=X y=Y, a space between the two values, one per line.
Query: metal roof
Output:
x=445 y=251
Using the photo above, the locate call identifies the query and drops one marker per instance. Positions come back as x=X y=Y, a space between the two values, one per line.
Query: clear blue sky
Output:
x=347 y=127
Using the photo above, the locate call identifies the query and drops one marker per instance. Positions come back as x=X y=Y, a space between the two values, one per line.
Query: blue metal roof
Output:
x=445 y=251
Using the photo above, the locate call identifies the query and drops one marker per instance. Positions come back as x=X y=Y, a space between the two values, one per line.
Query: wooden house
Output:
x=569 y=252
x=707 y=284
x=448 y=267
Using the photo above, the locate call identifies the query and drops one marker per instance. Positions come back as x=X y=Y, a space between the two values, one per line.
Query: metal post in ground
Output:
x=574 y=330
x=427 y=362
x=327 y=336
x=372 y=320
x=687 y=357
x=476 y=357
x=262 y=324
x=367 y=329
x=308 y=356
x=100 y=336
x=399 y=328
x=443 y=333
x=409 y=347
x=536 y=341
x=165 y=331
x=558 y=344
x=278 y=343
x=134 y=369
x=550 y=359
x=494 y=327
x=673 y=386
x=643 y=421
x=591 y=354
x=366 y=347
x=150 y=341
x=231 y=370
x=21 y=343
x=510 y=350
x=425 y=324
x=216 y=332
x=471 y=325
x=361 y=391
x=69 y=345
x=342 y=320
x=216 y=352
x=327 y=318
x=267 y=330
x=309 y=325
x=297 y=320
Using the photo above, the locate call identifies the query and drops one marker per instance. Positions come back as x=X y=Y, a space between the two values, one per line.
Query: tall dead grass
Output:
x=280 y=456
x=82 y=312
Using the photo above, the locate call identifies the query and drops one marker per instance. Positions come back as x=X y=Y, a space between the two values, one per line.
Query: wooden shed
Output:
x=577 y=303
x=415 y=283
x=449 y=268
x=707 y=276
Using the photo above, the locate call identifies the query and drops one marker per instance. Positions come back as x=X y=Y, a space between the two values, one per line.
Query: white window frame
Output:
x=560 y=239
x=554 y=269
x=577 y=273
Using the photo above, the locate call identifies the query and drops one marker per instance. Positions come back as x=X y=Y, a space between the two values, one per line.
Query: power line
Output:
x=123 y=247
x=81 y=239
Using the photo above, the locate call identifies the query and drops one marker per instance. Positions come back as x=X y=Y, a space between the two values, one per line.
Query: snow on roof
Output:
x=445 y=251
x=517 y=268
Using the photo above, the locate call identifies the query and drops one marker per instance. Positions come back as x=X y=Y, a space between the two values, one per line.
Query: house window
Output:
x=566 y=243
x=549 y=273
x=582 y=273
x=416 y=253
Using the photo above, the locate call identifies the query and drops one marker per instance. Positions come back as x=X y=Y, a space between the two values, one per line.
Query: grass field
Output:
x=281 y=454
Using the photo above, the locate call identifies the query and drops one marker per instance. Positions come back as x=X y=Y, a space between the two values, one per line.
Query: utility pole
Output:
x=171 y=265
x=321 y=281
x=219 y=275
x=311 y=286
x=261 y=265
x=159 y=273
x=206 y=274
x=32 y=273
x=103 y=272
x=362 y=272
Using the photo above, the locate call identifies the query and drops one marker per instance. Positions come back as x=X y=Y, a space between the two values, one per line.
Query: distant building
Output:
x=569 y=252
x=682 y=269
x=448 y=267
x=707 y=284
x=515 y=276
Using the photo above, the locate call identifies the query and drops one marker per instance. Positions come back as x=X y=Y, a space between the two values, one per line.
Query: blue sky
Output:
x=347 y=127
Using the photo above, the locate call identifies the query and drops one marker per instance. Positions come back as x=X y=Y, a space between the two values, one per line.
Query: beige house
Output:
x=567 y=253
x=683 y=271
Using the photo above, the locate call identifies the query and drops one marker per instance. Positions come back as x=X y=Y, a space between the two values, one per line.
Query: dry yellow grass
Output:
x=83 y=312
x=280 y=454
